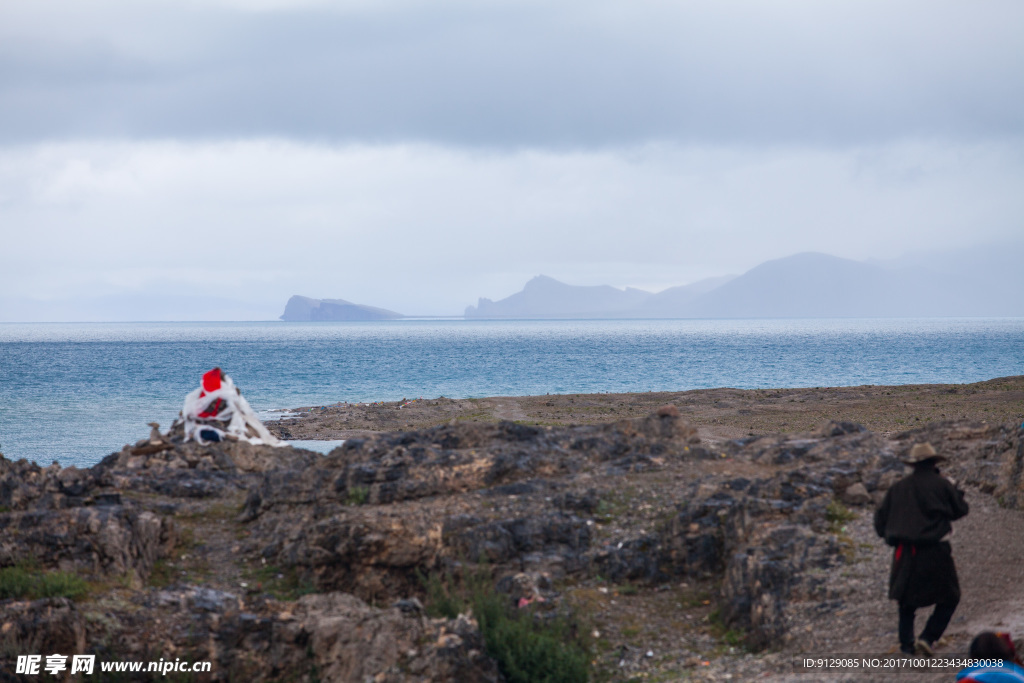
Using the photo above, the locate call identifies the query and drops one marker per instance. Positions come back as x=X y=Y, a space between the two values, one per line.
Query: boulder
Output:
x=856 y=494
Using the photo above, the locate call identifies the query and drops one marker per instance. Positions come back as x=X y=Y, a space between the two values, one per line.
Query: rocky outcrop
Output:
x=366 y=517
x=987 y=456
x=369 y=516
x=770 y=538
x=51 y=625
x=168 y=465
x=102 y=540
x=352 y=641
x=63 y=519
x=94 y=524
x=452 y=459
x=326 y=637
x=530 y=508
x=89 y=522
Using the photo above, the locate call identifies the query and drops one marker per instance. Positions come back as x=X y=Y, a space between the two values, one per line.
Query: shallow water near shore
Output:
x=325 y=446
x=75 y=392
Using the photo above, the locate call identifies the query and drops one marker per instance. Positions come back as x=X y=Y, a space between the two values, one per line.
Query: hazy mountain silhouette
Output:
x=545 y=297
x=668 y=302
x=808 y=285
x=976 y=282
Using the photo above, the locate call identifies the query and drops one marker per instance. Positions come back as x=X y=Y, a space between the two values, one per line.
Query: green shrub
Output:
x=528 y=648
x=837 y=514
x=23 y=582
x=357 y=495
x=15 y=582
x=441 y=599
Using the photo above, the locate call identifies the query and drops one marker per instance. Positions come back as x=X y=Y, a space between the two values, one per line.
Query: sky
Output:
x=206 y=160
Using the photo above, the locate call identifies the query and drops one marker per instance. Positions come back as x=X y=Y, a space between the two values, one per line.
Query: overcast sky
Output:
x=206 y=160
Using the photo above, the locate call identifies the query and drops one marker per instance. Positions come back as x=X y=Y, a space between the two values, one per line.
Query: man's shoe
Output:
x=923 y=647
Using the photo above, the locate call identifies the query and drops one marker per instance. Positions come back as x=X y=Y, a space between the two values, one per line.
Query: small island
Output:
x=305 y=309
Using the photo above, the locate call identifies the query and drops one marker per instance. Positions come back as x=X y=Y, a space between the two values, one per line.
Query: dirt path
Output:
x=508 y=409
x=988 y=547
x=989 y=551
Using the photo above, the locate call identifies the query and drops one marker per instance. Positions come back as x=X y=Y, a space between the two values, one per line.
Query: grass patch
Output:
x=357 y=495
x=444 y=598
x=615 y=505
x=837 y=515
x=213 y=511
x=604 y=513
x=528 y=647
x=186 y=540
x=731 y=637
x=281 y=584
x=162 y=574
x=479 y=416
x=697 y=599
x=187 y=562
x=847 y=548
x=28 y=582
x=628 y=589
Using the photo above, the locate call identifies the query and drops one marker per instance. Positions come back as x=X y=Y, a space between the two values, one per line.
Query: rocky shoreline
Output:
x=676 y=548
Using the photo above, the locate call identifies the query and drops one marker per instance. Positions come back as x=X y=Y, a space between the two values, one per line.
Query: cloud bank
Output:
x=514 y=73
x=207 y=160
x=407 y=227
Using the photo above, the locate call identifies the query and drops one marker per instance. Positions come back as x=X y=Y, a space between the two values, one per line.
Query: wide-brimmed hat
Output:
x=921 y=452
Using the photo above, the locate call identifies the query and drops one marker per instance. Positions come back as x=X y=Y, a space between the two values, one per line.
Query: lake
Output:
x=75 y=392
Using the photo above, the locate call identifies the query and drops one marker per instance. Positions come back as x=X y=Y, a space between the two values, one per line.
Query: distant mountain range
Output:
x=303 y=309
x=972 y=282
x=978 y=282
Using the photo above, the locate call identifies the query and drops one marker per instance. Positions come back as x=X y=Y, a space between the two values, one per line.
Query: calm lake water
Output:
x=76 y=392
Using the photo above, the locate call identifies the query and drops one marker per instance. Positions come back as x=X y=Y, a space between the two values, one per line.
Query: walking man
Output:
x=915 y=518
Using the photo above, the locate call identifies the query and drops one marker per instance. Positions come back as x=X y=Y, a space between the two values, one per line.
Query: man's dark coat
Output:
x=914 y=517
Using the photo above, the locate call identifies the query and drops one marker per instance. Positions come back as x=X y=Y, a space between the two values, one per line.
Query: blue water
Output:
x=76 y=392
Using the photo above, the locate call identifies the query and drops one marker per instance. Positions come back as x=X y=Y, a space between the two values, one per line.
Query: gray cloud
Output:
x=416 y=155
x=518 y=74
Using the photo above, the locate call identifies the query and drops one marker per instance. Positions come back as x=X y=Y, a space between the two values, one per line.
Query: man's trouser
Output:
x=933 y=629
